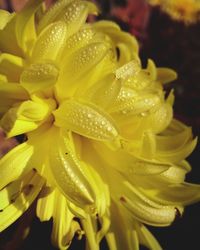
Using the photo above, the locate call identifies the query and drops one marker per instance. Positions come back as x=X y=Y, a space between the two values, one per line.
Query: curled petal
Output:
x=14 y=163
x=5 y=17
x=104 y=93
x=26 y=117
x=74 y=13
x=131 y=103
x=181 y=194
x=38 y=77
x=81 y=65
x=50 y=42
x=121 y=40
x=68 y=172
x=25 y=25
x=11 y=93
x=151 y=69
x=8 y=34
x=146 y=210
x=10 y=62
x=85 y=119
x=64 y=227
x=127 y=164
x=146 y=238
x=129 y=69
x=80 y=39
x=117 y=238
x=165 y=75
x=27 y=194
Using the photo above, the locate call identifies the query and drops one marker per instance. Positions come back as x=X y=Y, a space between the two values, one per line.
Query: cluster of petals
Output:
x=102 y=153
x=186 y=11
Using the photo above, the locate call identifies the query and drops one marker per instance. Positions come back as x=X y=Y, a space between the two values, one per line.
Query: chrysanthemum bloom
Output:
x=187 y=11
x=102 y=153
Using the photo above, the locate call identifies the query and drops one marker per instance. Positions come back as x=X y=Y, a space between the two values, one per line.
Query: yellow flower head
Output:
x=102 y=154
x=187 y=11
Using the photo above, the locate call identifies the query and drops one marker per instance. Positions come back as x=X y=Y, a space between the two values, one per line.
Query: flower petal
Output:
x=8 y=34
x=128 y=70
x=85 y=119
x=55 y=205
x=5 y=17
x=11 y=66
x=26 y=116
x=81 y=63
x=50 y=42
x=38 y=77
x=181 y=194
x=118 y=238
x=11 y=93
x=17 y=207
x=144 y=209
x=25 y=24
x=119 y=38
x=104 y=92
x=129 y=102
x=165 y=75
x=147 y=238
x=68 y=172
x=14 y=163
x=151 y=69
x=73 y=13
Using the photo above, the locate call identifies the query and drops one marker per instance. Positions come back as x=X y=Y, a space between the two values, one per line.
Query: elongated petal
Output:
x=151 y=69
x=181 y=194
x=45 y=204
x=80 y=63
x=119 y=160
x=177 y=154
x=50 y=42
x=11 y=93
x=161 y=118
x=148 y=149
x=15 y=209
x=118 y=238
x=119 y=38
x=146 y=210
x=128 y=70
x=131 y=103
x=14 y=163
x=63 y=224
x=80 y=39
x=25 y=24
x=68 y=172
x=5 y=17
x=7 y=34
x=91 y=241
x=105 y=92
x=52 y=13
x=11 y=66
x=86 y=120
x=166 y=143
x=147 y=238
x=13 y=189
x=25 y=117
x=165 y=75
x=38 y=77
x=74 y=13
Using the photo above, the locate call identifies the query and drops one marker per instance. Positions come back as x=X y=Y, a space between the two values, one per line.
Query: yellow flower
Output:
x=102 y=153
x=180 y=10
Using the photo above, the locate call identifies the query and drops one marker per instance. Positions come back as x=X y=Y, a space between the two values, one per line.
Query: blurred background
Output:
x=170 y=43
